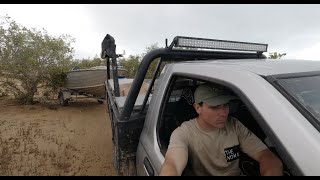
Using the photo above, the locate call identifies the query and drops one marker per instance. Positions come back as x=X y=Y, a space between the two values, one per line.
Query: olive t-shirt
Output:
x=216 y=152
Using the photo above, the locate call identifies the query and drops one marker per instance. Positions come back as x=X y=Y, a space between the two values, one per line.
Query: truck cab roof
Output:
x=262 y=67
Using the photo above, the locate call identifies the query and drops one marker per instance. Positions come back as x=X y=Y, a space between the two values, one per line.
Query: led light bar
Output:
x=190 y=42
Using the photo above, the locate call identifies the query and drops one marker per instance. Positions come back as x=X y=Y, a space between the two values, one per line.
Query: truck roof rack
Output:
x=181 y=49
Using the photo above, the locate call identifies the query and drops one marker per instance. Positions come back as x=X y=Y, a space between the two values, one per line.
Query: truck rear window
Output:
x=306 y=91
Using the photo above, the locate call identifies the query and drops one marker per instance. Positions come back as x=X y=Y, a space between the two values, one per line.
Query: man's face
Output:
x=214 y=116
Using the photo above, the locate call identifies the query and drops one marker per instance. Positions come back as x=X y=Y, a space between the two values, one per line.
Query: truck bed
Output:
x=121 y=100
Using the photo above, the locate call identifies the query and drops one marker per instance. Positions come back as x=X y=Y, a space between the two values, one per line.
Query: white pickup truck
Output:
x=279 y=101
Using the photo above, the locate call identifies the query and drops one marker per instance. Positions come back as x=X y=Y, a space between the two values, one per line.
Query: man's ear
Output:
x=197 y=107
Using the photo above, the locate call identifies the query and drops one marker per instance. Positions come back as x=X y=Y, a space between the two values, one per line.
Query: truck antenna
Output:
x=166 y=43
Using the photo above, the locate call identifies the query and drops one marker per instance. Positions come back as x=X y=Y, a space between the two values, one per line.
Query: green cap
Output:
x=211 y=95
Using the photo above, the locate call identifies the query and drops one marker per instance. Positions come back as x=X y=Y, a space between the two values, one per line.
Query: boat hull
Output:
x=90 y=82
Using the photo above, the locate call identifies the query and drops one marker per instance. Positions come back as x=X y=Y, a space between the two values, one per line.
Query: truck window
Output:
x=306 y=91
x=178 y=107
x=178 y=101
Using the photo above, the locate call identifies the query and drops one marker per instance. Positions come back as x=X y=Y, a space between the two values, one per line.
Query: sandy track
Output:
x=71 y=140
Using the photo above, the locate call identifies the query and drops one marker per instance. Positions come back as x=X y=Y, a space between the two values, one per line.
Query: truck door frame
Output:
x=258 y=118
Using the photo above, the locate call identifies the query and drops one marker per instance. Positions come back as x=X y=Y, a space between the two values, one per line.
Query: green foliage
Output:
x=131 y=64
x=154 y=63
x=276 y=55
x=133 y=61
x=56 y=78
x=31 y=58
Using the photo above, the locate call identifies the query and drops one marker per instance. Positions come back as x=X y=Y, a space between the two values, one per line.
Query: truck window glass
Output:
x=306 y=90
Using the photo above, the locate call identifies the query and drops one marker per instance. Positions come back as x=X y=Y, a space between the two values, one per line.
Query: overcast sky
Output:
x=291 y=29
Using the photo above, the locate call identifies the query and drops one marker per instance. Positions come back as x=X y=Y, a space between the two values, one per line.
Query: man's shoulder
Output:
x=231 y=118
x=232 y=121
x=184 y=129
x=188 y=123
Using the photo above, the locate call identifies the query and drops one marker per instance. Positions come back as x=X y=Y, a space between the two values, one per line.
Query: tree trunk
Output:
x=28 y=96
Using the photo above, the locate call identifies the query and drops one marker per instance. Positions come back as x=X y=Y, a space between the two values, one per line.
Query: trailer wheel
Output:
x=62 y=101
